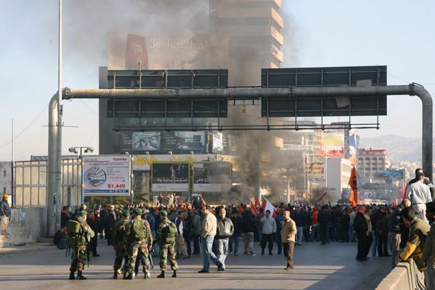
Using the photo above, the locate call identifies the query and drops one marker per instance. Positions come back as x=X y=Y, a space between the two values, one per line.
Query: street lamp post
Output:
x=82 y=165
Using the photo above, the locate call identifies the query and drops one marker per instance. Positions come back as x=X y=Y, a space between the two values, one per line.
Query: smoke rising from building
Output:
x=229 y=41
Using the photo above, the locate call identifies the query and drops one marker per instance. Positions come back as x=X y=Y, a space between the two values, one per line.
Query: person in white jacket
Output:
x=268 y=231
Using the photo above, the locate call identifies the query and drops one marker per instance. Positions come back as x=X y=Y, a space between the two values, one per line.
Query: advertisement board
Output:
x=212 y=176
x=317 y=170
x=170 y=177
x=106 y=175
x=145 y=141
x=218 y=143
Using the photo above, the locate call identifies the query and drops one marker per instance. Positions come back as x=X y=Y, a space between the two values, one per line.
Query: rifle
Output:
x=150 y=259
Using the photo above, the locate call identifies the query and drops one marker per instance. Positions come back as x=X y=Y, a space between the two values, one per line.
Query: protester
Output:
x=279 y=220
x=94 y=223
x=179 y=238
x=362 y=231
x=209 y=228
x=60 y=239
x=323 y=219
x=268 y=232
x=428 y=256
x=224 y=230
x=301 y=221
x=382 y=233
x=288 y=234
x=395 y=229
x=195 y=232
x=65 y=215
x=234 y=240
x=5 y=214
x=419 y=194
x=248 y=228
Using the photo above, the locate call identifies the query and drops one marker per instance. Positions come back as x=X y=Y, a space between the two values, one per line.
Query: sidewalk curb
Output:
x=24 y=249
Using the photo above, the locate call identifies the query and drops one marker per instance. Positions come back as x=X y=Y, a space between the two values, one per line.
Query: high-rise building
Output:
x=248 y=36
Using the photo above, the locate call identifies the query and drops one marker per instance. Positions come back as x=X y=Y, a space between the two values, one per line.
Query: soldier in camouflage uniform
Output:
x=139 y=239
x=77 y=242
x=166 y=240
x=118 y=243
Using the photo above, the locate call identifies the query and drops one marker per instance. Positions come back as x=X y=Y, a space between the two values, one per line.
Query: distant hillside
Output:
x=398 y=147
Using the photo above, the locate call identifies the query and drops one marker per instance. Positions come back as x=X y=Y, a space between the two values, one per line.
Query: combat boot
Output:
x=129 y=276
x=162 y=275
x=80 y=276
x=72 y=276
x=174 y=275
x=115 y=274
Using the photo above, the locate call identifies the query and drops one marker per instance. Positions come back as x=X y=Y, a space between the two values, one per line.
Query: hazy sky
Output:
x=395 y=33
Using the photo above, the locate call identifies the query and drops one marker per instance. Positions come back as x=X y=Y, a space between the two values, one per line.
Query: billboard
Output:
x=331 y=143
x=317 y=170
x=170 y=177
x=217 y=143
x=136 y=54
x=178 y=142
x=106 y=175
x=145 y=141
x=212 y=176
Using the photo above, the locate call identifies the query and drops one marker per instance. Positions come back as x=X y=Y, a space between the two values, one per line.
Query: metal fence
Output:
x=30 y=183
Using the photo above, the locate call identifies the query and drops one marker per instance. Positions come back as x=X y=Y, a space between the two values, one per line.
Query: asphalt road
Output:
x=316 y=267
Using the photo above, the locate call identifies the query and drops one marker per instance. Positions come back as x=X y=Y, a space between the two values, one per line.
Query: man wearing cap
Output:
x=110 y=224
x=5 y=214
x=166 y=240
x=139 y=239
x=78 y=242
x=118 y=242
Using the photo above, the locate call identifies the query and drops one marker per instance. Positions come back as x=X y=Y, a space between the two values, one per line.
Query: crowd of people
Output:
x=177 y=231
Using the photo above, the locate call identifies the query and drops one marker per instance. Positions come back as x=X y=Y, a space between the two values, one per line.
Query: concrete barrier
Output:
x=405 y=276
x=26 y=225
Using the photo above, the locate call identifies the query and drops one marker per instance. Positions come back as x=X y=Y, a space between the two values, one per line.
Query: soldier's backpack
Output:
x=138 y=229
x=73 y=227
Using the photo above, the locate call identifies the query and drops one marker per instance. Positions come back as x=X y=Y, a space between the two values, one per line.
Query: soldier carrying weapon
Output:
x=79 y=235
x=118 y=243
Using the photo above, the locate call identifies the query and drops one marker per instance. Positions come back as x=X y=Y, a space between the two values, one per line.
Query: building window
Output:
x=4 y=189
x=4 y=173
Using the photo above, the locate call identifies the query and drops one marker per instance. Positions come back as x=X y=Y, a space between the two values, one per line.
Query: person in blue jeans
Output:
x=234 y=240
x=279 y=220
x=209 y=227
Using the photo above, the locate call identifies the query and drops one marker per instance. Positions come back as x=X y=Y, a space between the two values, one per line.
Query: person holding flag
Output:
x=354 y=187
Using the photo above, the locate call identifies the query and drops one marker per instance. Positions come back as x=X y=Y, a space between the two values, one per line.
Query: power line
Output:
x=25 y=129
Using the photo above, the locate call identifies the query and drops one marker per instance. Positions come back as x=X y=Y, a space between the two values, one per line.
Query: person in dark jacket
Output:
x=279 y=219
x=60 y=238
x=5 y=214
x=361 y=228
x=94 y=223
x=234 y=240
x=110 y=225
x=344 y=226
x=323 y=219
x=248 y=229
x=300 y=219
x=382 y=233
x=334 y=223
x=224 y=230
x=65 y=216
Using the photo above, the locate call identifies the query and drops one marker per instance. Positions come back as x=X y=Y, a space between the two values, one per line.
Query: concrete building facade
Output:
x=371 y=160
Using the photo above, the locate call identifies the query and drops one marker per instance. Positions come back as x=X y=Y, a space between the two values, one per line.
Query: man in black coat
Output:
x=323 y=219
x=94 y=222
x=110 y=225
x=234 y=240
x=361 y=228
x=248 y=229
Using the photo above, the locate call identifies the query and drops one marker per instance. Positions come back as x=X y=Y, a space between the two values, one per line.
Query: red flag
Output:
x=254 y=209
x=354 y=186
x=257 y=203
x=395 y=200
